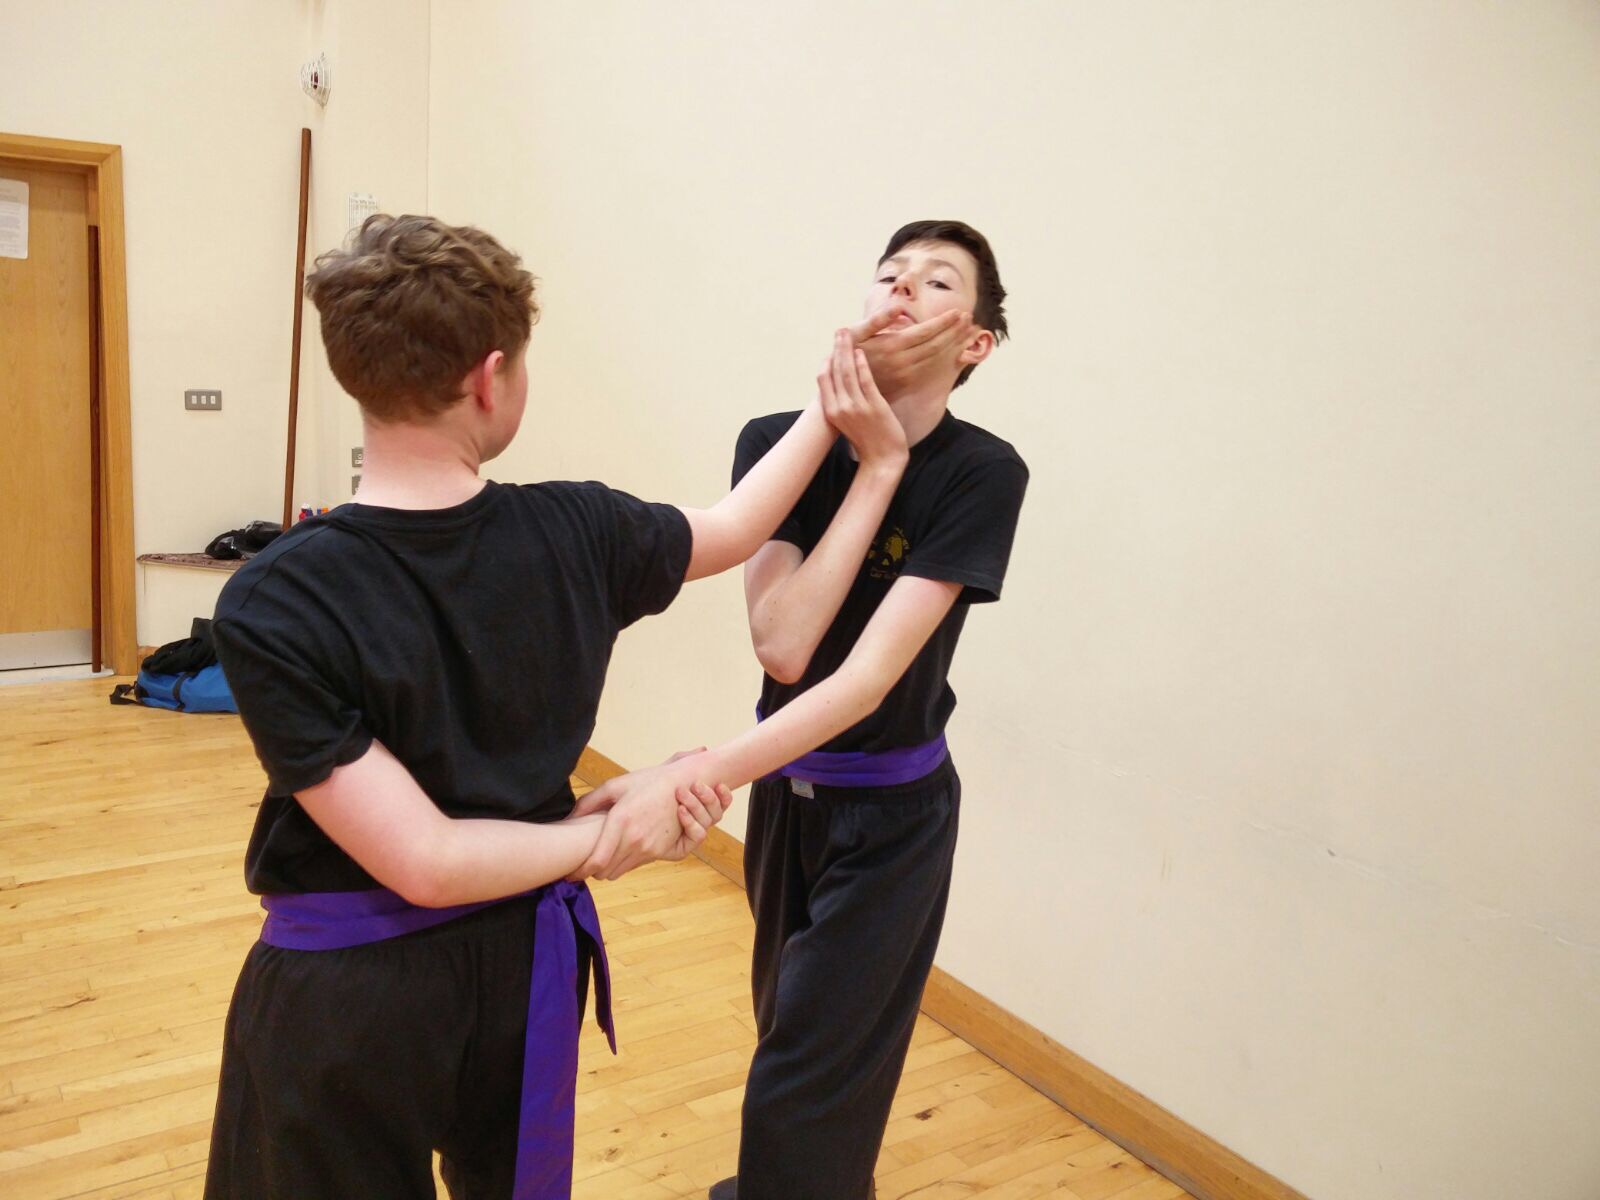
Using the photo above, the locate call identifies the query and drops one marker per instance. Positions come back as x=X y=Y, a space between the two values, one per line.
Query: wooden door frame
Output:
x=102 y=165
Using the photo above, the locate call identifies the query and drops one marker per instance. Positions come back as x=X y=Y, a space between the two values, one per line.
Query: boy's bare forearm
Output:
x=902 y=625
x=899 y=629
x=788 y=622
x=377 y=813
x=485 y=859
x=823 y=712
x=734 y=528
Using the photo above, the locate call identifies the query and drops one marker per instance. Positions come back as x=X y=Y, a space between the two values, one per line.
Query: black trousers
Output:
x=849 y=889
x=343 y=1070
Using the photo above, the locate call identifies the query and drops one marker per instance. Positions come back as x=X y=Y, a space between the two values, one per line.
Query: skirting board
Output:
x=1199 y=1164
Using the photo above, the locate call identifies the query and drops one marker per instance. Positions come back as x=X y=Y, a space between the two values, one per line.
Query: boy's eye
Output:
x=887 y=279
x=939 y=283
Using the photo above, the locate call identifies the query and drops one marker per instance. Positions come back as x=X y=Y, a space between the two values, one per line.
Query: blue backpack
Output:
x=184 y=676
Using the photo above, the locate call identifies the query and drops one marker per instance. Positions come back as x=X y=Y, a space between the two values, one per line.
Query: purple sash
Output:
x=337 y=920
x=862 y=768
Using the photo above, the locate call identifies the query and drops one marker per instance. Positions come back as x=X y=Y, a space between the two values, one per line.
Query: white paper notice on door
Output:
x=13 y=218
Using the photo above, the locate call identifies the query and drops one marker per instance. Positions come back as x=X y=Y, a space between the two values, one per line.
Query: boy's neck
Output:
x=920 y=407
x=417 y=466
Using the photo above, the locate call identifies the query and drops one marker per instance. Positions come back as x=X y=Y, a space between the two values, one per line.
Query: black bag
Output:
x=187 y=654
x=238 y=543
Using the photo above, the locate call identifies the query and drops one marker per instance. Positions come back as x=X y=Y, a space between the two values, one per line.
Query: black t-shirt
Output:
x=952 y=518
x=471 y=641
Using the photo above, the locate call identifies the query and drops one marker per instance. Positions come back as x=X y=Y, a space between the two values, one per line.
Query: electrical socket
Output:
x=355 y=456
x=203 y=400
x=355 y=483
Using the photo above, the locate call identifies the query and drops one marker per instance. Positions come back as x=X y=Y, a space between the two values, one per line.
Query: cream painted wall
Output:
x=373 y=138
x=205 y=101
x=1280 y=752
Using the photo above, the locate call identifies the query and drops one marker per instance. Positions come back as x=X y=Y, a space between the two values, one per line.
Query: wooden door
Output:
x=45 y=520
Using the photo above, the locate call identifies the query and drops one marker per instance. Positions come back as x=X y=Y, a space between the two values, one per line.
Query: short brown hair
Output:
x=410 y=305
x=990 y=310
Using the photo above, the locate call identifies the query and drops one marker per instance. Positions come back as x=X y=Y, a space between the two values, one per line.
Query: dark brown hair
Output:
x=990 y=310
x=409 y=305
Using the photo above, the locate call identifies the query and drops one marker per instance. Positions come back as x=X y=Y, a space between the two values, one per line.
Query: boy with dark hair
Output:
x=418 y=671
x=856 y=605
x=855 y=608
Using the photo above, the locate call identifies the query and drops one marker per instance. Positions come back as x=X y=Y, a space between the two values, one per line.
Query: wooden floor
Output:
x=123 y=921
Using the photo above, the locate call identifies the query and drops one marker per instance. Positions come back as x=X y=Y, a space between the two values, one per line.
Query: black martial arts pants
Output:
x=343 y=1070
x=848 y=888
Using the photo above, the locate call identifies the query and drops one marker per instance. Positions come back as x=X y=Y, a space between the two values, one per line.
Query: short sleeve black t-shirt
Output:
x=953 y=518
x=471 y=641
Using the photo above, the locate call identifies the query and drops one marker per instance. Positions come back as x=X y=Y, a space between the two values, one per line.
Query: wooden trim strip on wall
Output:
x=1199 y=1164
x=97 y=508
x=117 y=420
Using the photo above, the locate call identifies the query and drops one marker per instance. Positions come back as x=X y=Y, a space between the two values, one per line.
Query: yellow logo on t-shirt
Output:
x=885 y=560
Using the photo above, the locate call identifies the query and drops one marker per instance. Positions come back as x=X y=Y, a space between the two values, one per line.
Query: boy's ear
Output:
x=480 y=380
x=978 y=349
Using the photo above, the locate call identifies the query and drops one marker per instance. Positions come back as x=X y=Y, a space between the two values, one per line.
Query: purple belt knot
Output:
x=565 y=912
